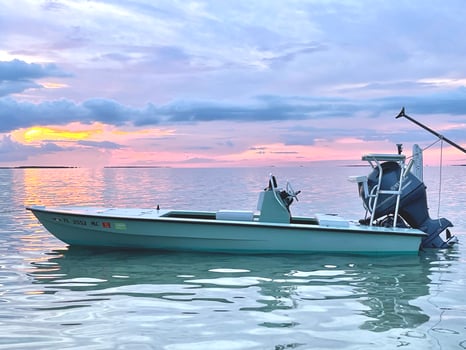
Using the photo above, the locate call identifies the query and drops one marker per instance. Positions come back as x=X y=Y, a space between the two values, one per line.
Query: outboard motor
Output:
x=412 y=206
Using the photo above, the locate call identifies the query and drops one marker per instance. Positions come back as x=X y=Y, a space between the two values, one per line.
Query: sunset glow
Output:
x=40 y=133
x=211 y=83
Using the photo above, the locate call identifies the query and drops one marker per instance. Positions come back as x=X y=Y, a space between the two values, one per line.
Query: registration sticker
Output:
x=120 y=226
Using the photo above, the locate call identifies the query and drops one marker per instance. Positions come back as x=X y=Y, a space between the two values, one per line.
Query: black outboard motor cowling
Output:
x=413 y=203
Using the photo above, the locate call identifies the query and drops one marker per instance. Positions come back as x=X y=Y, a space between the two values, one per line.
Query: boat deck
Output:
x=148 y=213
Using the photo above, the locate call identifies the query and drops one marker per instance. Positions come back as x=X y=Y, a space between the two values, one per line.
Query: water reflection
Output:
x=381 y=290
x=52 y=297
x=58 y=186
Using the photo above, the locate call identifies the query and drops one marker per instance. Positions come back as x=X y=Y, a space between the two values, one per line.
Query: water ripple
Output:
x=54 y=297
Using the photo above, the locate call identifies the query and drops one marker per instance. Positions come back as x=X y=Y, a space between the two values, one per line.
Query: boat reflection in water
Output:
x=313 y=292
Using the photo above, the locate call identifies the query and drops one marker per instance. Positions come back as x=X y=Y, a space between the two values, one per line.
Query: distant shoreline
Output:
x=134 y=166
x=38 y=167
x=148 y=166
x=77 y=167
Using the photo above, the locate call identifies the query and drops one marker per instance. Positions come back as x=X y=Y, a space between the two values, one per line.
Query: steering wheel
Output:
x=291 y=192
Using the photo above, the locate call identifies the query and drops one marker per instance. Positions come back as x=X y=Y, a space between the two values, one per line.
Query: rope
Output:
x=429 y=146
x=440 y=139
x=433 y=143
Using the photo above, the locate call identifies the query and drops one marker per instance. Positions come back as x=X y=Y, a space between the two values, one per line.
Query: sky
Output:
x=228 y=83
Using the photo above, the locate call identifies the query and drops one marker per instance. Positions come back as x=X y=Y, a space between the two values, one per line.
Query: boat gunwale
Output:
x=352 y=229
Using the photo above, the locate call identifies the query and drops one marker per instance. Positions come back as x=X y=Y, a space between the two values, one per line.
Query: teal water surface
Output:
x=56 y=297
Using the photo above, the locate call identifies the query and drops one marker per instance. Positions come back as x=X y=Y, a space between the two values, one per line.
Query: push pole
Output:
x=441 y=137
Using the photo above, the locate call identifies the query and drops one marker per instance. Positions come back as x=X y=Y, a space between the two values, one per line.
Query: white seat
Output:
x=361 y=179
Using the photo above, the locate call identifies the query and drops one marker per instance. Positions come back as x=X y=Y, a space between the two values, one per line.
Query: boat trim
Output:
x=208 y=218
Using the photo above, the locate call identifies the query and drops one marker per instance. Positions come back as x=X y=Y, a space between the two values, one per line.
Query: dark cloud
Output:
x=51 y=147
x=263 y=108
x=227 y=143
x=12 y=151
x=17 y=76
x=100 y=144
x=18 y=70
x=15 y=114
x=452 y=102
x=199 y=148
x=258 y=150
x=8 y=87
x=108 y=111
x=280 y=108
x=284 y=152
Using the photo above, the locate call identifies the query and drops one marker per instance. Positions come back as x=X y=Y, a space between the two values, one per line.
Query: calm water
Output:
x=54 y=297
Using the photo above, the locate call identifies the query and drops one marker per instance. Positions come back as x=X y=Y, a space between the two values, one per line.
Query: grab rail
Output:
x=375 y=161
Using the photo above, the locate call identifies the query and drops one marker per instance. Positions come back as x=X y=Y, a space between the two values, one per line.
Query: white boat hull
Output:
x=202 y=232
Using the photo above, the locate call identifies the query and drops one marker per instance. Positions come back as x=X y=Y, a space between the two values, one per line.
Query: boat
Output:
x=396 y=220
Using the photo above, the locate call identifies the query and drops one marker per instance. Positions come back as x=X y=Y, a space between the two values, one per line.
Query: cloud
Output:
x=451 y=102
x=198 y=160
x=50 y=147
x=258 y=150
x=19 y=70
x=8 y=87
x=53 y=5
x=12 y=151
x=100 y=144
x=18 y=114
x=17 y=76
x=284 y=152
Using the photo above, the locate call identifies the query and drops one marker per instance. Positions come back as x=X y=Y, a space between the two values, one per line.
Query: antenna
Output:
x=440 y=136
